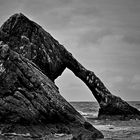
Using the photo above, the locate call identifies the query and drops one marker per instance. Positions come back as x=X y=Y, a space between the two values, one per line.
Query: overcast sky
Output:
x=104 y=35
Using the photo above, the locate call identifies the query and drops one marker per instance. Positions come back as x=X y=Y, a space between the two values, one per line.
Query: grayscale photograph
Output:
x=69 y=69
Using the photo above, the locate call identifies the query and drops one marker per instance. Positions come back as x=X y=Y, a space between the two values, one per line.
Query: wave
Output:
x=111 y=128
x=89 y=114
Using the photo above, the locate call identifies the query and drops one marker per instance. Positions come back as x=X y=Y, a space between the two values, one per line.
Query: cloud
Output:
x=102 y=34
x=136 y=79
x=3 y=2
x=113 y=79
x=132 y=38
x=94 y=36
x=118 y=79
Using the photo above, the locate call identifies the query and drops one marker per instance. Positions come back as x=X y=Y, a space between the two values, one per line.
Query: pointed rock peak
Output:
x=17 y=15
x=13 y=21
x=18 y=24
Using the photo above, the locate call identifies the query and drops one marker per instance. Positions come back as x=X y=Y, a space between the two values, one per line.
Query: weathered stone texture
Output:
x=33 y=42
x=30 y=102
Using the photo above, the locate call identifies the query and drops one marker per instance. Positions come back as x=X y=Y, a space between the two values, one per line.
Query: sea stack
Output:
x=33 y=42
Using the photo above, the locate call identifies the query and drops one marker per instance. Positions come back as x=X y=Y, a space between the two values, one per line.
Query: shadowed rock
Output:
x=30 y=104
x=33 y=42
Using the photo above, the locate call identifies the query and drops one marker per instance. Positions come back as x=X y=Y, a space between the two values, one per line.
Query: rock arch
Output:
x=52 y=59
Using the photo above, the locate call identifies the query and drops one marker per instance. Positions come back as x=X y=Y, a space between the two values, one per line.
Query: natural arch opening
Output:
x=78 y=94
x=73 y=89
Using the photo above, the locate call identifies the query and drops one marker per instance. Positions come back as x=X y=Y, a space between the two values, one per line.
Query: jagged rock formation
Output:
x=32 y=41
x=31 y=104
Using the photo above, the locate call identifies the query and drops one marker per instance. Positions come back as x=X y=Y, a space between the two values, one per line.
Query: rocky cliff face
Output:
x=30 y=103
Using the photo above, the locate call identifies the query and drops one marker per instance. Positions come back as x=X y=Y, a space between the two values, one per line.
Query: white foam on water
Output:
x=88 y=114
x=16 y=134
x=110 y=128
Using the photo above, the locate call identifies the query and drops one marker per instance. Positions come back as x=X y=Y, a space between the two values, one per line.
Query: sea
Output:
x=111 y=129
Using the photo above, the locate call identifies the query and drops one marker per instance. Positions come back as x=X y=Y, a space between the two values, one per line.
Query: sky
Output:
x=103 y=35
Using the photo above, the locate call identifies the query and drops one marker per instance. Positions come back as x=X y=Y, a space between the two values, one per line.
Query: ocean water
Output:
x=112 y=130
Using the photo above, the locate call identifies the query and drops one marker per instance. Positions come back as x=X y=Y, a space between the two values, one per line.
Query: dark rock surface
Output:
x=33 y=42
x=30 y=103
